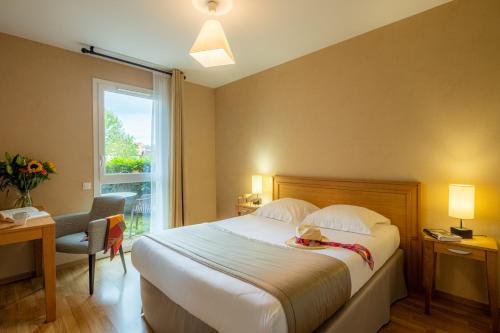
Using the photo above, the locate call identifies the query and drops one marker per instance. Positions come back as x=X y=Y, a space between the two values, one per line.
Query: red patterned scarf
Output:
x=358 y=248
x=114 y=234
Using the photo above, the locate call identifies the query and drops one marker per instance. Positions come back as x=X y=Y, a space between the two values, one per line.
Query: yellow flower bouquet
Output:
x=24 y=174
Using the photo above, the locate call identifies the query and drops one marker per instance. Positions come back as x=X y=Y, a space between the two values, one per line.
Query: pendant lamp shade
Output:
x=211 y=48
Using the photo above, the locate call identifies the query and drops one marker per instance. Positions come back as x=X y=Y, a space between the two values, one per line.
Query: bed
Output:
x=182 y=295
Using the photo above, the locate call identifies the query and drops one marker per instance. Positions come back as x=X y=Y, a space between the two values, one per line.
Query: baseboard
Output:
x=17 y=277
x=29 y=275
x=76 y=262
x=461 y=300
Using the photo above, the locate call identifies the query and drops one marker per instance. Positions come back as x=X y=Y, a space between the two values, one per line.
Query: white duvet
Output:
x=231 y=305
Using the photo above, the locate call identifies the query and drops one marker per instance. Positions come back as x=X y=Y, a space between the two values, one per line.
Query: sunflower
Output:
x=51 y=166
x=34 y=166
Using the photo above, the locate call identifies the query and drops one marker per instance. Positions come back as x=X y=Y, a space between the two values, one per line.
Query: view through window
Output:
x=125 y=150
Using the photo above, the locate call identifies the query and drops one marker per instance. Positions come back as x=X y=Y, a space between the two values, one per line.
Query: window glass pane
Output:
x=137 y=204
x=127 y=133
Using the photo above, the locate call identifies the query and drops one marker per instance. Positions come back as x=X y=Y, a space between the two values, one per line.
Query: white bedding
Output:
x=231 y=305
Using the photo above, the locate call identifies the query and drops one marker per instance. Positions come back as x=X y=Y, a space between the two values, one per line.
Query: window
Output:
x=123 y=128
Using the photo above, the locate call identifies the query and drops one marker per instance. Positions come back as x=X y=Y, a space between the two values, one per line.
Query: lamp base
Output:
x=462 y=232
x=257 y=201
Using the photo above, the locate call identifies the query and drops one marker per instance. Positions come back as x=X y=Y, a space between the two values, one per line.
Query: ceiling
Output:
x=262 y=33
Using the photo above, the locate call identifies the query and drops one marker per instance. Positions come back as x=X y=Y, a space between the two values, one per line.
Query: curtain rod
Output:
x=90 y=50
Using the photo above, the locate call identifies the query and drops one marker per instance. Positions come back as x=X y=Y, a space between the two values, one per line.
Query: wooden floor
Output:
x=408 y=315
x=116 y=306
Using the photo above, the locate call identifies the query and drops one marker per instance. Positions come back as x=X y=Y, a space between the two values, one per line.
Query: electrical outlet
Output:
x=87 y=186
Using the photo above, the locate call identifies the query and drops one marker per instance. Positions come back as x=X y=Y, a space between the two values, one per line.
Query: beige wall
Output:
x=415 y=100
x=199 y=156
x=46 y=112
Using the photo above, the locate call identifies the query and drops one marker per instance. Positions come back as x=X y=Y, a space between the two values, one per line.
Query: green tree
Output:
x=118 y=142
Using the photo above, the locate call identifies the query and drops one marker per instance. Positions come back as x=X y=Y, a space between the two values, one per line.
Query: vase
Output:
x=23 y=200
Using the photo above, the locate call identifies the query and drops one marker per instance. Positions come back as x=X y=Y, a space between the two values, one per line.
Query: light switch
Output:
x=87 y=186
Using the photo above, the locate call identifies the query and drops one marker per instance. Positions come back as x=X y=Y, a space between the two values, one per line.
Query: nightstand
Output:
x=481 y=248
x=246 y=208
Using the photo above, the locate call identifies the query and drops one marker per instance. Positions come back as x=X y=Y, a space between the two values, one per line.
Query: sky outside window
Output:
x=134 y=112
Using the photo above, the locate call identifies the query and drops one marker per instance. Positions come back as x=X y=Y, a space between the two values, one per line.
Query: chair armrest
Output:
x=97 y=235
x=71 y=223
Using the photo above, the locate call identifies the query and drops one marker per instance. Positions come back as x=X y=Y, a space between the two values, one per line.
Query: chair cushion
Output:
x=72 y=243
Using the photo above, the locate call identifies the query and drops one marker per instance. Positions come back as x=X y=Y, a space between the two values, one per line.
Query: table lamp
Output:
x=461 y=206
x=257 y=188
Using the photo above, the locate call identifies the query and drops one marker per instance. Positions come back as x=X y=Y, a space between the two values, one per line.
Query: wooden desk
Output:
x=481 y=248
x=38 y=229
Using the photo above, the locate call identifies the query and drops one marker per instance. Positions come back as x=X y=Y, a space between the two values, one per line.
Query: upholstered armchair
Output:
x=71 y=228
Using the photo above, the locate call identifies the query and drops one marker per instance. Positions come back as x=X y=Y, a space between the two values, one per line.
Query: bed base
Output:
x=366 y=312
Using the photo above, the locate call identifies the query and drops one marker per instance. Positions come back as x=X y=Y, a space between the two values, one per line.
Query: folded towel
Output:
x=114 y=234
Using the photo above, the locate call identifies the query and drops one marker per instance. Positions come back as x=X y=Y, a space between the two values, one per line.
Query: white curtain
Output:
x=160 y=168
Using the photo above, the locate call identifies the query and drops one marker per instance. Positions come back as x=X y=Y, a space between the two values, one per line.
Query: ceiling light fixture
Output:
x=211 y=47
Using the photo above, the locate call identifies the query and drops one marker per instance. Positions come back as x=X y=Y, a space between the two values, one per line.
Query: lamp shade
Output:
x=256 y=184
x=211 y=48
x=461 y=201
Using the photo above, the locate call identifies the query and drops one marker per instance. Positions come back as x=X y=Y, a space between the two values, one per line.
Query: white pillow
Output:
x=346 y=218
x=288 y=210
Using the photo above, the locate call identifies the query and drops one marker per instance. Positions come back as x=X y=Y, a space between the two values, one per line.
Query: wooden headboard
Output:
x=399 y=201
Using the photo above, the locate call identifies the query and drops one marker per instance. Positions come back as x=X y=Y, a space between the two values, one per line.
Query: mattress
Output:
x=231 y=305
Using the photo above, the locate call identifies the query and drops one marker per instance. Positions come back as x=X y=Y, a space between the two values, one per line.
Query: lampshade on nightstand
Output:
x=257 y=188
x=256 y=184
x=461 y=205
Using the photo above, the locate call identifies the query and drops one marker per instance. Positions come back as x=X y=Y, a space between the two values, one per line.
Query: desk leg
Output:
x=491 y=268
x=429 y=272
x=49 y=271
x=37 y=246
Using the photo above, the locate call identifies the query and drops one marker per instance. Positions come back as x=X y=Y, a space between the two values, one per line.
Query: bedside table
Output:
x=481 y=248
x=246 y=208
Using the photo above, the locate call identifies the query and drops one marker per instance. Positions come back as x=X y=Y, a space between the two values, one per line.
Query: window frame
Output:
x=99 y=86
